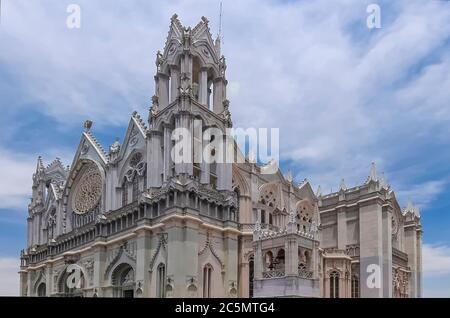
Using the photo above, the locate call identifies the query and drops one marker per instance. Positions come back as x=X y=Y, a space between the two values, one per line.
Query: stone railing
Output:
x=352 y=250
x=250 y=227
x=335 y=252
x=273 y=274
x=304 y=273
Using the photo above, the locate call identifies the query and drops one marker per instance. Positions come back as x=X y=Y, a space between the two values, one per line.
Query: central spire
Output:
x=190 y=65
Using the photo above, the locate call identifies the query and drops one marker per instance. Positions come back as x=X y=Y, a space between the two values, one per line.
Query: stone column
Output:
x=411 y=250
x=219 y=94
x=155 y=159
x=29 y=232
x=371 y=252
x=224 y=176
x=184 y=123
x=142 y=279
x=387 y=252
x=167 y=161
x=48 y=280
x=99 y=270
x=30 y=288
x=315 y=260
x=231 y=263
x=23 y=283
x=258 y=260
x=205 y=173
x=291 y=255
x=203 y=91
x=183 y=247
x=419 y=264
x=244 y=273
x=208 y=95
x=341 y=228
x=162 y=89
x=174 y=82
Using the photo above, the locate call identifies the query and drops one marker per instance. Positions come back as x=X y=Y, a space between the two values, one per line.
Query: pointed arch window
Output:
x=251 y=274
x=135 y=183
x=334 y=284
x=124 y=192
x=355 y=286
x=51 y=225
x=145 y=179
x=207 y=274
x=42 y=290
x=161 y=281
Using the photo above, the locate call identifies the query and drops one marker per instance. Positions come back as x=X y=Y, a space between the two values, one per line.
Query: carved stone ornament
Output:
x=88 y=191
x=84 y=149
x=394 y=225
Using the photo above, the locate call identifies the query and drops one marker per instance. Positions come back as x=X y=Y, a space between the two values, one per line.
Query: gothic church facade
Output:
x=137 y=224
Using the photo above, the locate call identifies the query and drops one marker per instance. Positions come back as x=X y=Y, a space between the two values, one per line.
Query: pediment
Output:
x=135 y=137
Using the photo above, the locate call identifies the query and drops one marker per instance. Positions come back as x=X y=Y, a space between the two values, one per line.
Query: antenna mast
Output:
x=219 y=35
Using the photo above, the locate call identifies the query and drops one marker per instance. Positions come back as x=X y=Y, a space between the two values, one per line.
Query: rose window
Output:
x=88 y=191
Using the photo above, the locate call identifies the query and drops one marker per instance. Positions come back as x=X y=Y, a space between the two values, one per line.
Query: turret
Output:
x=191 y=63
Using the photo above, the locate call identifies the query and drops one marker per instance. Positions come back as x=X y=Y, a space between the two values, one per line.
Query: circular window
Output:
x=88 y=191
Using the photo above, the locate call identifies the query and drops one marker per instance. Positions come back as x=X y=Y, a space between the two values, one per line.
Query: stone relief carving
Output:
x=192 y=286
x=209 y=246
x=137 y=166
x=232 y=290
x=89 y=266
x=84 y=149
x=162 y=242
x=127 y=248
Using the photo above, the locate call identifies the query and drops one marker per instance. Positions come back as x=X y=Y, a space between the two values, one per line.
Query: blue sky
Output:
x=342 y=95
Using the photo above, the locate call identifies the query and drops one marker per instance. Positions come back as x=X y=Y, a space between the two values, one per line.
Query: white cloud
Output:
x=343 y=95
x=16 y=169
x=436 y=260
x=9 y=277
x=424 y=193
x=291 y=60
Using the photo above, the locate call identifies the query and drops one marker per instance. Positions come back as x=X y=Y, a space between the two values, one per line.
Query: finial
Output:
x=342 y=186
x=251 y=157
x=383 y=181
x=115 y=147
x=220 y=22
x=411 y=209
x=88 y=125
x=319 y=191
x=305 y=180
x=40 y=163
x=373 y=174
x=289 y=176
x=409 y=206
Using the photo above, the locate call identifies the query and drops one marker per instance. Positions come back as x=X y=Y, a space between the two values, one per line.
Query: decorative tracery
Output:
x=88 y=191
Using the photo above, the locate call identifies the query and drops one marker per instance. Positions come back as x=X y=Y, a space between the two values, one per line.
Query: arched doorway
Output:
x=123 y=281
x=42 y=290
